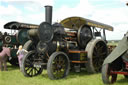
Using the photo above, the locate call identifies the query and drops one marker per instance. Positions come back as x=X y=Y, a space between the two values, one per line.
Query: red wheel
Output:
x=106 y=76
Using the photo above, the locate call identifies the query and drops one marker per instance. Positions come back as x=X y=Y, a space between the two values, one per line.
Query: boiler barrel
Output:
x=22 y=36
x=33 y=34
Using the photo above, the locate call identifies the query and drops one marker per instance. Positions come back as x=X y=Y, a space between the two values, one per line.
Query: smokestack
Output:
x=48 y=14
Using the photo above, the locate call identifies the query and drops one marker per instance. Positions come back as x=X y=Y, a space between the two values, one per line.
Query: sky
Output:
x=111 y=12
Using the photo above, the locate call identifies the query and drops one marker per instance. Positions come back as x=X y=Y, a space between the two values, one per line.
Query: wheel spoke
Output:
x=63 y=62
x=27 y=68
x=102 y=54
x=34 y=71
x=95 y=51
x=59 y=60
x=30 y=72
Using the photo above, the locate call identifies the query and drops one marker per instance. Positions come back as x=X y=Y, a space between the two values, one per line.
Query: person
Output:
x=3 y=58
x=21 y=52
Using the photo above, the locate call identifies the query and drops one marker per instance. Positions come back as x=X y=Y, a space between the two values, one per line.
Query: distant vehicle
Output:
x=13 y=39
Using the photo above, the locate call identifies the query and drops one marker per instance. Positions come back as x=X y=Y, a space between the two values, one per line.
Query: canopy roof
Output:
x=70 y=22
x=17 y=25
x=78 y=21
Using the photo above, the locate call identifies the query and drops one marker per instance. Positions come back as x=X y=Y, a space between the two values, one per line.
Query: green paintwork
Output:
x=13 y=40
x=22 y=36
x=1 y=44
x=13 y=53
x=118 y=51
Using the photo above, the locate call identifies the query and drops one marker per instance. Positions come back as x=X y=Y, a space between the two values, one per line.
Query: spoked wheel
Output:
x=28 y=68
x=97 y=52
x=58 y=65
x=106 y=76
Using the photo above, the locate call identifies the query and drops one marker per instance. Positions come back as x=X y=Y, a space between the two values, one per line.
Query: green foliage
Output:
x=113 y=42
x=14 y=77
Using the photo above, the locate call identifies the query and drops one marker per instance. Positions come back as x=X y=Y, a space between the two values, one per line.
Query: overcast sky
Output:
x=111 y=12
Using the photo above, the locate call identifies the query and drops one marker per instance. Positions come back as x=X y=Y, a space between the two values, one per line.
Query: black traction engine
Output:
x=73 y=43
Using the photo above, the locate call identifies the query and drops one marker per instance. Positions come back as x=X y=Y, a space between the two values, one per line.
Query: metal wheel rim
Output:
x=8 y=39
x=111 y=77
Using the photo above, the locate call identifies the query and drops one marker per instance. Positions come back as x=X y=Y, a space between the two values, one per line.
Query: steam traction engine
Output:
x=16 y=36
x=116 y=63
x=70 y=44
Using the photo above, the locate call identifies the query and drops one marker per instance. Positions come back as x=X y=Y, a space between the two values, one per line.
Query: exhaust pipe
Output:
x=48 y=14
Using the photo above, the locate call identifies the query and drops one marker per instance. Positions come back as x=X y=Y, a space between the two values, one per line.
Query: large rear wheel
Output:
x=97 y=52
x=58 y=65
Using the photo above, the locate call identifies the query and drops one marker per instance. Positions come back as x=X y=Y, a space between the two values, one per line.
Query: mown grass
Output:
x=14 y=77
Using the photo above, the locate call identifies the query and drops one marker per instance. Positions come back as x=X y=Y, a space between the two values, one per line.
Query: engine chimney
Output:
x=48 y=14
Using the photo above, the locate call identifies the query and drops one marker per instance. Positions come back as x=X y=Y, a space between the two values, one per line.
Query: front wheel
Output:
x=106 y=76
x=27 y=67
x=58 y=65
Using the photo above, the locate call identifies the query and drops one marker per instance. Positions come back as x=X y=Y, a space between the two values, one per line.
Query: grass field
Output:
x=14 y=77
